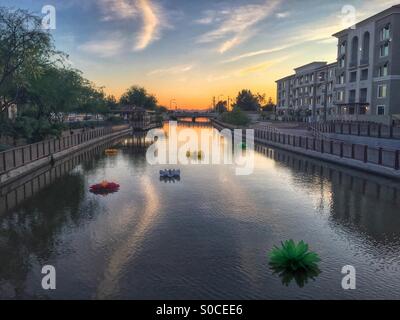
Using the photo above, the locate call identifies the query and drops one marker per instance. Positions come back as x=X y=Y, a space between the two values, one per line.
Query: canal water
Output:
x=206 y=236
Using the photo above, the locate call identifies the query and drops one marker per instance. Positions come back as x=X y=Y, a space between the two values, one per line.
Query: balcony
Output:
x=364 y=62
x=353 y=65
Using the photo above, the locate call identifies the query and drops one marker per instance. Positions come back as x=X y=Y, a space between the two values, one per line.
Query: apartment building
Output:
x=308 y=94
x=364 y=83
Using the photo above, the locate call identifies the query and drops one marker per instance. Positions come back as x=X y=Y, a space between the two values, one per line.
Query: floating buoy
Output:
x=170 y=173
x=104 y=188
x=188 y=154
x=200 y=155
x=111 y=152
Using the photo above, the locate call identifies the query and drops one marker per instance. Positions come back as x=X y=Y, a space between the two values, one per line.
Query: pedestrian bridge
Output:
x=193 y=115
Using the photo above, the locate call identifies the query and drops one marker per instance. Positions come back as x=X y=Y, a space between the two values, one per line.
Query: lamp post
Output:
x=170 y=104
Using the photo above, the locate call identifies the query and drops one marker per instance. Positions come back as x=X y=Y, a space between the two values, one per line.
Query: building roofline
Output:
x=285 y=78
x=382 y=14
x=324 y=63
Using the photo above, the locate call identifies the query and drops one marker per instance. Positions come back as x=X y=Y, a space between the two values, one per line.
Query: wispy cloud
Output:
x=151 y=23
x=102 y=48
x=235 y=25
x=171 y=70
x=149 y=12
x=318 y=32
x=250 y=69
x=282 y=15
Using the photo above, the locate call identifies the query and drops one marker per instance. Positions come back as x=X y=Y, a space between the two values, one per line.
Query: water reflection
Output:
x=204 y=237
x=300 y=277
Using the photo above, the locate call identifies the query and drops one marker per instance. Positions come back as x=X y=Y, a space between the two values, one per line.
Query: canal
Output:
x=206 y=236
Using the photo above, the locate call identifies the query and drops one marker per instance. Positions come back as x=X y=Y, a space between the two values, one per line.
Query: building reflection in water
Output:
x=357 y=201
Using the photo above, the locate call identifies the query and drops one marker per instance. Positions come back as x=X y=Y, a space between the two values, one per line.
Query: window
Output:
x=343 y=48
x=384 y=50
x=365 y=49
x=331 y=73
x=353 y=76
x=312 y=78
x=364 y=74
x=382 y=91
x=341 y=79
x=352 y=96
x=354 y=51
x=363 y=95
x=340 y=95
x=383 y=70
x=342 y=62
x=385 y=33
x=380 y=110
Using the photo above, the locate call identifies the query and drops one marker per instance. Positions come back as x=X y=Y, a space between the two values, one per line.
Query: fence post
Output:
x=358 y=129
x=331 y=146
x=322 y=146
x=306 y=143
x=396 y=160
x=314 y=144
x=353 y=151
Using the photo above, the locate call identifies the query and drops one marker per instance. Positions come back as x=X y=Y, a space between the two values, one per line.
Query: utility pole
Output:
x=214 y=103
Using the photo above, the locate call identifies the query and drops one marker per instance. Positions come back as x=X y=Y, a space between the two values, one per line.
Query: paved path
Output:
x=301 y=129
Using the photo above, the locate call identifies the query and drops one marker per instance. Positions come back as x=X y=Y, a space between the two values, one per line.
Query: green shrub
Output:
x=236 y=117
x=294 y=257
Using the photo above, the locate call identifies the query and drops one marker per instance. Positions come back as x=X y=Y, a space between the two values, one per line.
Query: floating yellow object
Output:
x=200 y=155
x=111 y=152
x=188 y=154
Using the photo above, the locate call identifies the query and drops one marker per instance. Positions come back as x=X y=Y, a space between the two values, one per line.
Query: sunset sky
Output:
x=192 y=50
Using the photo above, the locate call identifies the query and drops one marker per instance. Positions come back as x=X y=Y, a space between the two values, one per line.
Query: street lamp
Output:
x=170 y=104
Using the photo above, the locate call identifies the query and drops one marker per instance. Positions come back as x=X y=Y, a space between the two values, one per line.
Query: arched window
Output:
x=365 y=51
x=354 y=51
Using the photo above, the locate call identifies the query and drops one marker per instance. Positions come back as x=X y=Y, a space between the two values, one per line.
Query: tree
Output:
x=247 y=101
x=111 y=102
x=56 y=91
x=138 y=97
x=24 y=49
x=270 y=106
x=221 y=107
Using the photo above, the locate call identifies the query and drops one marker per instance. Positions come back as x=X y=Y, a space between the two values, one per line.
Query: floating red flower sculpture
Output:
x=104 y=188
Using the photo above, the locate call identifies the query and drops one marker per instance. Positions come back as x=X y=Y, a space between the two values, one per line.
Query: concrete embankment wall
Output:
x=363 y=157
x=17 y=162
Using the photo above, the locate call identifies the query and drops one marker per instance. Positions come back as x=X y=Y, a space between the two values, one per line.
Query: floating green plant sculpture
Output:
x=294 y=261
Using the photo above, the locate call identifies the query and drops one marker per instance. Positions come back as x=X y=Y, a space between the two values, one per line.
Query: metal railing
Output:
x=20 y=156
x=385 y=157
